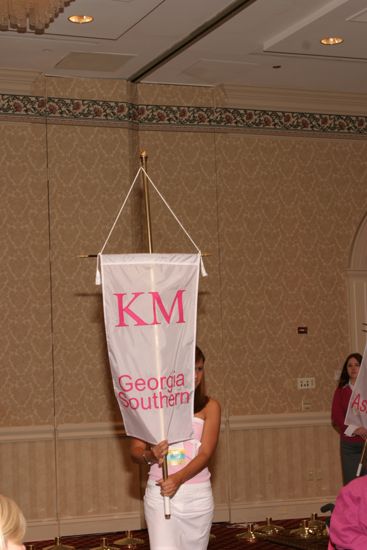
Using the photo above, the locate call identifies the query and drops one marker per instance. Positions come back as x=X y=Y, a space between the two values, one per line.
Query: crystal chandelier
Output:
x=34 y=15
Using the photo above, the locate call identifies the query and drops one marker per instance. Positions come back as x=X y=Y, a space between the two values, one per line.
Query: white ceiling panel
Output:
x=112 y=18
x=339 y=20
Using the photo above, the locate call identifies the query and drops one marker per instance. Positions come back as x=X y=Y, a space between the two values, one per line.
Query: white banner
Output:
x=150 y=307
x=357 y=410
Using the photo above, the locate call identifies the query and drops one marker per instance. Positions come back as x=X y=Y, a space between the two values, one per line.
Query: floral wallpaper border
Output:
x=229 y=118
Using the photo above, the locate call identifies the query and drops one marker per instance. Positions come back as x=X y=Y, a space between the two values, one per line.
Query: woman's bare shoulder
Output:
x=212 y=406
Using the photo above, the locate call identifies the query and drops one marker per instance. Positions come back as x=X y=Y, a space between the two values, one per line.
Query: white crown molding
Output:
x=16 y=434
x=25 y=82
x=97 y=430
x=42 y=529
x=278 y=99
x=256 y=422
x=249 y=512
x=356 y=273
x=90 y=430
x=18 y=82
x=101 y=524
x=38 y=530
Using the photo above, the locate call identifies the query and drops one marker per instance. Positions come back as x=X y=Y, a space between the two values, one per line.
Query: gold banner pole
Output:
x=144 y=162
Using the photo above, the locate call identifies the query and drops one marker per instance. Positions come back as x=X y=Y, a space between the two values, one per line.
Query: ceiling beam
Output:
x=196 y=35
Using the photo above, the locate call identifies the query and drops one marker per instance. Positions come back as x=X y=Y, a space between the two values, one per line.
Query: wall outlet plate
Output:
x=306 y=383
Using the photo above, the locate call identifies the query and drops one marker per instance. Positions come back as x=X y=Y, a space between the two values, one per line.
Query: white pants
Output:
x=191 y=517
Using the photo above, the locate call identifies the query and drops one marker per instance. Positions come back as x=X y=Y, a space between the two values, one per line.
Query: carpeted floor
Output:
x=224 y=538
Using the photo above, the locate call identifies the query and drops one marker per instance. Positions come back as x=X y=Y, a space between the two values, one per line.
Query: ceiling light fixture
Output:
x=27 y=15
x=331 y=40
x=80 y=19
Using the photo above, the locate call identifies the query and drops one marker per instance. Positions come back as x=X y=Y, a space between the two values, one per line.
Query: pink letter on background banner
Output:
x=150 y=306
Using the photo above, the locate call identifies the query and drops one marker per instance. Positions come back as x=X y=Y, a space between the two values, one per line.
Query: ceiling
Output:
x=261 y=43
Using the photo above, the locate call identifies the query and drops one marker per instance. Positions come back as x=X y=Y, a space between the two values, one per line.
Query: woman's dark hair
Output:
x=344 y=377
x=200 y=397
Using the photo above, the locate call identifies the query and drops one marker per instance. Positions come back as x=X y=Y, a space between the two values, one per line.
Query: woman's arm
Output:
x=208 y=445
x=361 y=431
x=143 y=453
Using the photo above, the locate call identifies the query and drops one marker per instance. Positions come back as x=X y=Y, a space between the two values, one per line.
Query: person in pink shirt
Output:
x=350 y=446
x=348 y=523
x=188 y=484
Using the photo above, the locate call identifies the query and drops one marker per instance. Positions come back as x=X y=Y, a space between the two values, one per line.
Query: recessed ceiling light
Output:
x=80 y=19
x=331 y=40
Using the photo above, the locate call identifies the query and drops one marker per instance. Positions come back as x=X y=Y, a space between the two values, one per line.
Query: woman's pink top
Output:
x=180 y=454
x=348 y=524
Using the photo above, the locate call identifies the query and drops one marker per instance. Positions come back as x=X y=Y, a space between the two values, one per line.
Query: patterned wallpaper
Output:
x=26 y=389
x=271 y=196
x=289 y=210
x=89 y=174
x=183 y=166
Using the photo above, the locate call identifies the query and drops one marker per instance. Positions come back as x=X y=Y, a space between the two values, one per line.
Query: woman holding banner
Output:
x=188 y=483
x=351 y=447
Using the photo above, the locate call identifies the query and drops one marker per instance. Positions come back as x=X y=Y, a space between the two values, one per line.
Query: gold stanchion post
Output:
x=59 y=546
x=249 y=535
x=129 y=541
x=269 y=529
x=104 y=545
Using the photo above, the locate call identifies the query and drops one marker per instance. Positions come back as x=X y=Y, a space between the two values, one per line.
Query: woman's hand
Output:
x=160 y=450
x=362 y=432
x=170 y=486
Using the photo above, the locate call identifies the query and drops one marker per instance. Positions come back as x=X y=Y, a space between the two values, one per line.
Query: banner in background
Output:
x=357 y=410
x=150 y=308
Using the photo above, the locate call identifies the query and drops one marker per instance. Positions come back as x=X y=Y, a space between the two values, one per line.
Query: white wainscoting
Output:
x=283 y=466
x=27 y=474
x=79 y=478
